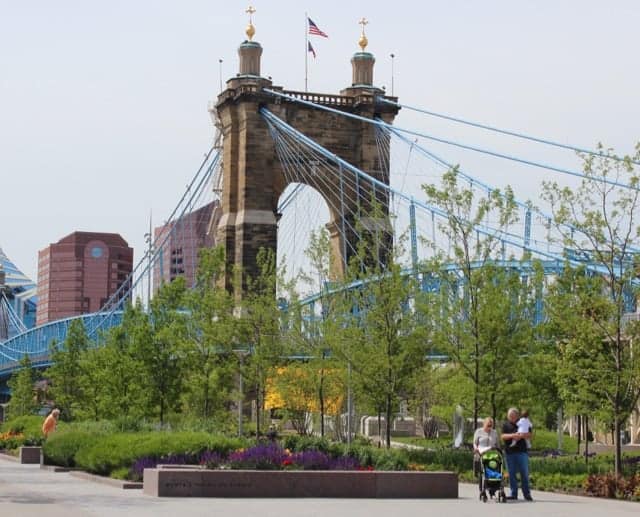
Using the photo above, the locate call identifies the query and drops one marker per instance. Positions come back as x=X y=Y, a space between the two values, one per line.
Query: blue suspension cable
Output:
x=454 y=144
x=122 y=293
x=287 y=157
x=482 y=229
x=504 y=131
x=487 y=187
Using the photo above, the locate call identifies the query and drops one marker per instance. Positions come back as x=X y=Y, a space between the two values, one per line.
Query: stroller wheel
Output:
x=483 y=497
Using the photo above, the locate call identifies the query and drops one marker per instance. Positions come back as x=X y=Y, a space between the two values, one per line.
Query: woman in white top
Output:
x=484 y=438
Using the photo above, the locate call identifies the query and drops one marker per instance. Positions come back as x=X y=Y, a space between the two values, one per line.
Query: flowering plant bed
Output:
x=265 y=456
x=268 y=470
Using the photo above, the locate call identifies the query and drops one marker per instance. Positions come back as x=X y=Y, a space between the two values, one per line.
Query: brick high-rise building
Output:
x=180 y=242
x=79 y=273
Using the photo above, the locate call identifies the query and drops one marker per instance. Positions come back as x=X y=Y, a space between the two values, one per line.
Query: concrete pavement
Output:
x=27 y=490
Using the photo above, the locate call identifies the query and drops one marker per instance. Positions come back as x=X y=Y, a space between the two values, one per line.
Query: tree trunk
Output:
x=321 y=396
x=206 y=409
x=618 y=447
x=586 y=440
x=388 y=426
x=579 y=421
x=494 y=410
x=476 y=382
x=559 y=418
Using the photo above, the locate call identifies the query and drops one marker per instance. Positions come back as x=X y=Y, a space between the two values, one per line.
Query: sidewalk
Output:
x=27 y=490
x=394 y=444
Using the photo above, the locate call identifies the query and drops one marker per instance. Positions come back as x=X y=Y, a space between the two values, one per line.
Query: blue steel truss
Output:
x=20 y=294
x=37 y=342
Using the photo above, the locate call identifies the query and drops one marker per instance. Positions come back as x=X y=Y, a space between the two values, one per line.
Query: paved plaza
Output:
x=27 y=490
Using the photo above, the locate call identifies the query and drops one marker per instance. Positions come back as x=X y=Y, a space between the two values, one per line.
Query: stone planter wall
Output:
x=172 y=482
x=31 y=455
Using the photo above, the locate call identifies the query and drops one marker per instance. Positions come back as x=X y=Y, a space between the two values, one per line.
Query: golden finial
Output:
x=251 y=30
x=363 y=42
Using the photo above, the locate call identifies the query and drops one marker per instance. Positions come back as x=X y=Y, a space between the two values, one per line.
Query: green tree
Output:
x=477 y=313
x=23 y=396
x=212 y=332
x=380 y=340
x=261 y=322
x=159 y=348
x=124 y=394
x=571 y=303
x=66 y=371
x=308 y=332
x=92 y=381
x=597 y=225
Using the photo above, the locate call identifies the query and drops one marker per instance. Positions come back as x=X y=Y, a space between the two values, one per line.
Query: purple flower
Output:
x=211 y=459
x=311 y=460
x=261 y=457
x=344 y=463
x=139 y=465
x=151 y=462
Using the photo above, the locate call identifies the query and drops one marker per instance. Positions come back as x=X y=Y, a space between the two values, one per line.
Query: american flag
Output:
x=313 y=29
x=310 y=49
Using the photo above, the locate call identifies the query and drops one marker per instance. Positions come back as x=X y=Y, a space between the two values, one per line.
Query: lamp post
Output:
x=149 y=240
x=392 y=78
x=349 y=403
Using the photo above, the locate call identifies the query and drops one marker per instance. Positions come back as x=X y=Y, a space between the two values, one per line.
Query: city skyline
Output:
x=101 y=101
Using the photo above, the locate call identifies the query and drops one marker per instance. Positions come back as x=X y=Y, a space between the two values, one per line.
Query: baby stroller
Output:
x=492 y=475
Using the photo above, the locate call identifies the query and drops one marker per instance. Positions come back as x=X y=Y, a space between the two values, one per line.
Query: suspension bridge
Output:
x=284 y=163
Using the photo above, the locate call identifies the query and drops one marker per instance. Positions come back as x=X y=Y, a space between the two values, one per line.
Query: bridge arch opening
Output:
x=303 y=213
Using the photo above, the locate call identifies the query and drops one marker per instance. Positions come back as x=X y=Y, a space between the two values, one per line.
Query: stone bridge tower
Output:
x=253 y=179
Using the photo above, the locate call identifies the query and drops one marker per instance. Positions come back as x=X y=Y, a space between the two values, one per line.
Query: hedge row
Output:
x=105 y=453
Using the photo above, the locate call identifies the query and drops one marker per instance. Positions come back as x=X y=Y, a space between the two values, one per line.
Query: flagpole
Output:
x=306 y=52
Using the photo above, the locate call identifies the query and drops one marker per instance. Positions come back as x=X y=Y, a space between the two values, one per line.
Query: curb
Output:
x=9 y=457
x=55 y=468
x=118 y=483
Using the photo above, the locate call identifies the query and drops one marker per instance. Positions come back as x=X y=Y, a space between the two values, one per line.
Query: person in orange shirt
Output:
x=50 y=422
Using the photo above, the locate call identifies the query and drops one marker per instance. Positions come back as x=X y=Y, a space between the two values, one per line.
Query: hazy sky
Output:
x=103 y=104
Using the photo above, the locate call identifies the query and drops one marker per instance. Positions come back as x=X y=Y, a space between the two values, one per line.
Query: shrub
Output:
x=123 y=449
x=299 y=443
x=612 y=486
x=99 y=427
x=11 y=440
x=456 y=460
x=22 y=430
x=544 y=440
x=390 y=459
x=62 y=447
x=557 y=482
x=122 y=473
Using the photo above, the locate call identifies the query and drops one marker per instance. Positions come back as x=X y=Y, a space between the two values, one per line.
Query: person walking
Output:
x=517 y=456
x=50 y=423
x=485 y=438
